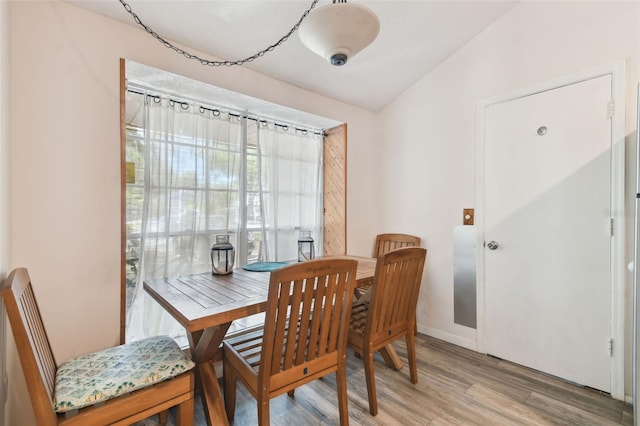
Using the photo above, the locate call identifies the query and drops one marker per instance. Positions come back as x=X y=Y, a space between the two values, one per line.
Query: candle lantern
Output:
x=306 y=250
x=222 y=256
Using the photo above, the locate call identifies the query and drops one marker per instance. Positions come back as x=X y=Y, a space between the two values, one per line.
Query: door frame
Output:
x=617 y=206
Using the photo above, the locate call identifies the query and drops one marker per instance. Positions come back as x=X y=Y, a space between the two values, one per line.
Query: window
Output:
x=195 y=171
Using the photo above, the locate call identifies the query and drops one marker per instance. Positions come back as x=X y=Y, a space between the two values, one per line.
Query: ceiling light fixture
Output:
x=339 y=31
x=336 y=32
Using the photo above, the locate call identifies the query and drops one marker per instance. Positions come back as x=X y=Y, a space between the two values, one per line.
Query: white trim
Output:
x=618 y=264
x=618 y=268
x=479 y=223
x=448 y=337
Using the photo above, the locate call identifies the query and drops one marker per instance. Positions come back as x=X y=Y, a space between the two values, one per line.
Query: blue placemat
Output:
x=264 y=266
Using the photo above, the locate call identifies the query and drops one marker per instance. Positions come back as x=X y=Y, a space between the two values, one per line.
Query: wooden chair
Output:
x=388 y=242
x=390 y=312
x=304 y=336
x=44 y=378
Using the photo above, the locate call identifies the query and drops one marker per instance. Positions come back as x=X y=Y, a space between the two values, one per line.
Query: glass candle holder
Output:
x=222 y=256
x=306 y=249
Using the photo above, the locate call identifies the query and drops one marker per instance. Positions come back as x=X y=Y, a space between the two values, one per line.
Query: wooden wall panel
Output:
x=335 y=191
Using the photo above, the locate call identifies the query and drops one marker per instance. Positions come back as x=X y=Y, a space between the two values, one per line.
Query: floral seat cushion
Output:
x=106 y=374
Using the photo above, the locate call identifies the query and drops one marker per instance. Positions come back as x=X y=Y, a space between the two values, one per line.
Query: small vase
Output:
x=222 y=256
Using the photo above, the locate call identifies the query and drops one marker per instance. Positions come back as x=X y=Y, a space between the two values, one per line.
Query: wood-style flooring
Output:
x=455 y=386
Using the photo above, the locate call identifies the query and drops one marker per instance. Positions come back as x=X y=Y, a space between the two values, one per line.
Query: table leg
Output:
x=205 y=344
x=212 y=401
x=391 y=357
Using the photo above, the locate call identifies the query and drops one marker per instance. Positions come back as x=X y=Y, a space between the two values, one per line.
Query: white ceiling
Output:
x=415 y=36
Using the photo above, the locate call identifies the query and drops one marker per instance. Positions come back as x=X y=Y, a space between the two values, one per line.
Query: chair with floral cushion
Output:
x=119 y=385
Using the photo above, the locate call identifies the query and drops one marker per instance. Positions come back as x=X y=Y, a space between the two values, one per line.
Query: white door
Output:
x=547 y=208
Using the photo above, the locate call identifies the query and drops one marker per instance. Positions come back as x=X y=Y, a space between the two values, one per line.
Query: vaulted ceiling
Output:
x=415 y=36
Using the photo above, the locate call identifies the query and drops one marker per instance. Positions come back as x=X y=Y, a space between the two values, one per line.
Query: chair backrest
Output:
x=38 y=363
x=388 y=242
x=394 y=294
x=307 y=320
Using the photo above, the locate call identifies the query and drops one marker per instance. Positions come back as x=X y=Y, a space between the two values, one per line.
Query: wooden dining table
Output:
x=206 y=305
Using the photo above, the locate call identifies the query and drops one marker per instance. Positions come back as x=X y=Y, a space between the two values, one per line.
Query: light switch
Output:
x=467 y=216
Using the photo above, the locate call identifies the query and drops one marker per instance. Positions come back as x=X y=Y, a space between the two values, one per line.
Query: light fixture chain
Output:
x=188 y=55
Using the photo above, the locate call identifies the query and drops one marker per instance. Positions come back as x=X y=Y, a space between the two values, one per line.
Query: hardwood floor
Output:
x=455 y=386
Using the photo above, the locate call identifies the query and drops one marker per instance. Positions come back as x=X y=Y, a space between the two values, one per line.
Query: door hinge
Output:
x=611 y=227
x=610 y=347
x=610 y=108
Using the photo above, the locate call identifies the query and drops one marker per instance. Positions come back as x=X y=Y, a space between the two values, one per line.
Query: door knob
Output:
x=492 y=245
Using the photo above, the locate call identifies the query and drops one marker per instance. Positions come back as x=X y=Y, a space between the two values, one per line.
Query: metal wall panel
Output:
x=464 y=276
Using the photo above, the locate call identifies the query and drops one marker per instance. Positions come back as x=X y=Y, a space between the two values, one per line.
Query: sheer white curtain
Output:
x=290 y=170
x=201 y=172
x=192 y=163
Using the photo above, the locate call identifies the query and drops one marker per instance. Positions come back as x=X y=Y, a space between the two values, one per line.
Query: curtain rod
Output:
x=231 y=111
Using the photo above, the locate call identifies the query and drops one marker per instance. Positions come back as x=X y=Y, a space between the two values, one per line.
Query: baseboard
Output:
x=448 y=337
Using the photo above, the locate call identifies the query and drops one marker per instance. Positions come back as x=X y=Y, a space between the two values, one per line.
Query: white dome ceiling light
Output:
x=338 y=31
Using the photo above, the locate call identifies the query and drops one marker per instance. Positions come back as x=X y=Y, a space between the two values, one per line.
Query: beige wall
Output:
x=4 y=183
x=430 y=129
x=65 y=180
